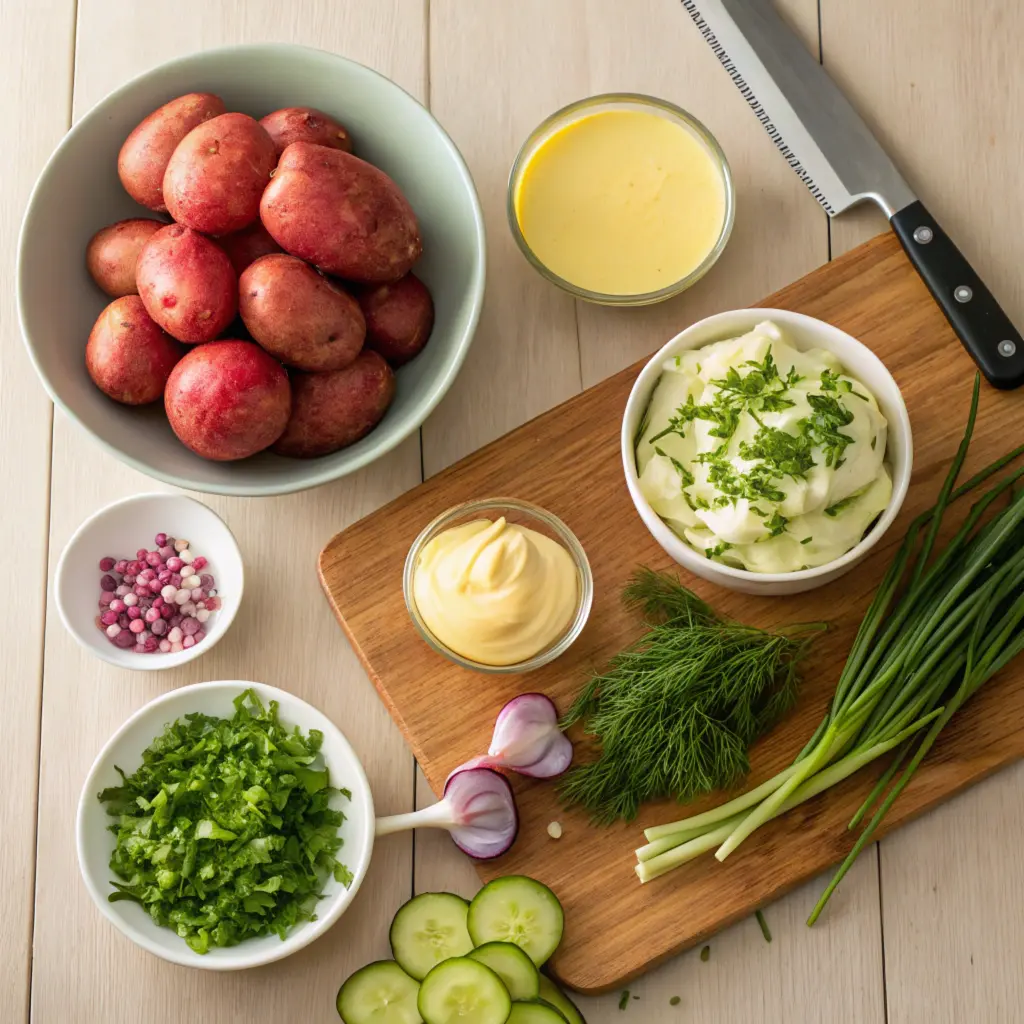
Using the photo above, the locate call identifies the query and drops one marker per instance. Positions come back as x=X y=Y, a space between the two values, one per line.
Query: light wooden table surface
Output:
x=928 y=927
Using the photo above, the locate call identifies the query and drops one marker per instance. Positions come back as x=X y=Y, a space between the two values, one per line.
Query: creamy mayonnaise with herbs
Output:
x=762 y=456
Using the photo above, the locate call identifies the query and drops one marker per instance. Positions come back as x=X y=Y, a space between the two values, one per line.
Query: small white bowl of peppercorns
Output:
x=150 y=582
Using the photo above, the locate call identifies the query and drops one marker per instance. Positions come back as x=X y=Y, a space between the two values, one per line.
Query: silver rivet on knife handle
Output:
x=923 y=235
x=962 y=293
x=1007 y=349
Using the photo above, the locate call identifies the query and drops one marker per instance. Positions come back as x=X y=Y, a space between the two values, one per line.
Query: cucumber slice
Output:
x=379 y=993
x=429 y=929
x=535 y=1012
x=552 y=994
x=463 y=991
x=513 y=966
x=520 y=910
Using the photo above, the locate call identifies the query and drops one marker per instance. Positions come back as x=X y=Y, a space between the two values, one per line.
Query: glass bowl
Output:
x=521 y=513
x=599 y=104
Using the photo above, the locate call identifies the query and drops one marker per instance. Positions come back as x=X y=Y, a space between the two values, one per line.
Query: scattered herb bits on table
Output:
x=226 y=831
x=477 y=962
x=159 y=601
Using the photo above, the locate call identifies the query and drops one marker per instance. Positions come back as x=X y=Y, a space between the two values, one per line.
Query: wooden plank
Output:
x=938 y=83
x=554 y=56
x=84 y=969
x=36 y=47
x=875 y=295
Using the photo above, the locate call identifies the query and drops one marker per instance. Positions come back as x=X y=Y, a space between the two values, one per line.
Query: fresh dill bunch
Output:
x=676 y=712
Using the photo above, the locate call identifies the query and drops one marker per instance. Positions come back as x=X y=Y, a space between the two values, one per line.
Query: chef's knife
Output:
x=828 y=145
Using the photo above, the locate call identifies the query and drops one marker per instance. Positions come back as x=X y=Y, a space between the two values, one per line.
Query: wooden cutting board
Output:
x=568 y=461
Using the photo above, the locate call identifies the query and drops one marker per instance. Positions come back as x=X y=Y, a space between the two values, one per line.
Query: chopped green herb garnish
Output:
x=784 y=453
x=225 y=831
x=764 y=926
x=822 y=427
x=719 y=549
x=874 y=442
x=675 y=1000
x=807 y=540
x=839 y=506
x=705 y=954
x=624 y=999
x=831 y=381
x=685 y=475
x=776 y=524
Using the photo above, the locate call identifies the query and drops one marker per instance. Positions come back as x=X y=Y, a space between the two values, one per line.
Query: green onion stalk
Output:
x=943 y=621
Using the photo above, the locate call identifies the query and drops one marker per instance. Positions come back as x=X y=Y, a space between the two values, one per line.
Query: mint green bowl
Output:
x=79 y=192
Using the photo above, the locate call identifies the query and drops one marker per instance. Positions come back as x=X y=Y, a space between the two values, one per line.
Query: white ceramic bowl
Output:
x=806 y=332
x=119 y=530
x=79 y=192
x=125 y=747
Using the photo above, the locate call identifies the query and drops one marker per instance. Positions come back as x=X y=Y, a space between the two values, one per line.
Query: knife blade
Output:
x=833 y=151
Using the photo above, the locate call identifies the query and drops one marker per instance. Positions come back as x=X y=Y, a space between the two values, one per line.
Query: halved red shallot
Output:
x=527 y=739
x=478 y=809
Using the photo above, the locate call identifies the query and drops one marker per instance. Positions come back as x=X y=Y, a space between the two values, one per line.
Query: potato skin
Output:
x=299 y=316
x=127 y=356
x=113 y=254
x=305 y=124
x=228 y=400
x=217 y=174
x=147 y=150
x=399 y=318
x=248 y=245
x=333 y=410
x=341 y=214
x=187 y=284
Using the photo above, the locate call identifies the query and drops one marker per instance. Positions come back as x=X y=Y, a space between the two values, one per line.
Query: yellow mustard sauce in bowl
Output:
x=621 y=199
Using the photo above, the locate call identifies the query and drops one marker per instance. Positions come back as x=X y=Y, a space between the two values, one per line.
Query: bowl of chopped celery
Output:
x=225 y=825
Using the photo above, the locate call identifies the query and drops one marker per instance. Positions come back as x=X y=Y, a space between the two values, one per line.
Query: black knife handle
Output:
x=985 y=330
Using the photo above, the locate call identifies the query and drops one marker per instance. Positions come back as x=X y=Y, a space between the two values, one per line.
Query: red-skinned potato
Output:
x=217 y=174
x=333 y=410
x=113 y=254
x=147 y=151
x=305 y=124
x=399 y=318
x=187 y=284
x=342 y=214
x=299 y=316
x=248 y=245
x=228 y=400
x=128 y=357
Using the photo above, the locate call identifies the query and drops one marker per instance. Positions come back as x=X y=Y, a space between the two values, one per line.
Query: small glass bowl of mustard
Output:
x=523 y=517
x=621 y=199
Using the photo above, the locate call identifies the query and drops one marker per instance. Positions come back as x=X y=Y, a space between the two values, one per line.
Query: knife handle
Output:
x=984 y=329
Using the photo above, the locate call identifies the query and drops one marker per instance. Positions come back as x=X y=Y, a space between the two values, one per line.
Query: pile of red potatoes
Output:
x=273 y=309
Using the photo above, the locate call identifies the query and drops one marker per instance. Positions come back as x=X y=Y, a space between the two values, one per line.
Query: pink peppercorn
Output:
x=120 y=565
x=106 y=564
x=145 y=576
x=108 y=582
x=136 y=625
x=123 y=589
x=113 y=630
x=123 y=620
x=174 y=563
x=105 y=598
x=165 y=552
x=135 y=567
x=198 y=563
x=175 y=619
x=152 y=559
x=140 y=590
x=197 y=593
x=128 y=579
x=201 y=635
x=152 y=615
x=164 y=575
x=109 y=618
x=158 y=626
x=126 y=638
x=206 y=581
x=150 y=644
x=212 y=603
x=141 y=553
x=160 y=540
x=190 y=626
x=155 y=586
x=134 y=613
x=117 y=605
x=188 y=641
x=175 y=580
